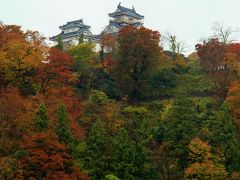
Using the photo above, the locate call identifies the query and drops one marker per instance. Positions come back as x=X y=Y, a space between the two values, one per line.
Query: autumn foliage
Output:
x=46 y=158
x=130 y=111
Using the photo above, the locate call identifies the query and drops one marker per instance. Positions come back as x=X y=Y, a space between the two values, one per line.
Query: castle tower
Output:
x=71 y=32
x=123 y=17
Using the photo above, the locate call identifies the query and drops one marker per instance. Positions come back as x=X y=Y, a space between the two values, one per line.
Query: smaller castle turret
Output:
x=71 y=32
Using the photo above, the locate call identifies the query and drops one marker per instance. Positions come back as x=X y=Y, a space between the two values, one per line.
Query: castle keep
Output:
x=73 y=30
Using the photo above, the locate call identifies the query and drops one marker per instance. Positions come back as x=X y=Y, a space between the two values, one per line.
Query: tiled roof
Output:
x=126 y=11
x=70 y=34
x=71 y=24
x=121 y=25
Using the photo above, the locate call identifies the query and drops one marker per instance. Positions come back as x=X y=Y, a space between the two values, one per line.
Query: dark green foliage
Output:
x=27 y=88
x=98 y=79
x=179 y=127
x=162 y=84
x=96 y=146
x=80 y=39
x=128 y=157
x=220 y=132
x=63 y=130
x=20 y=154
x=41 y=120
x=192 y=81
x=137 y=124
x=60 y=43
x=101 y=55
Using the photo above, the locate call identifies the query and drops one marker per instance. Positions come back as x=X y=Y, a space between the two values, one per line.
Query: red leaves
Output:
x=212 y=55
x=47 y=159
x=144 y=38
x=55 y=71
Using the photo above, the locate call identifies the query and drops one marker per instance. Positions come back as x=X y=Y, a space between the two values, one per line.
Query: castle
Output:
x=122 y=17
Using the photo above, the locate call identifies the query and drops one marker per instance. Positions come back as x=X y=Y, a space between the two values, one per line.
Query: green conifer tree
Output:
x=128 y=157
x=80 y=39
x=60 y=43
x=41 y=120
x=95 y=157
x=63 y=129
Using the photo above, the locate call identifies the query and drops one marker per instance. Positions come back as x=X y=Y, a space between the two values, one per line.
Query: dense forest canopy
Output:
x=131 y=111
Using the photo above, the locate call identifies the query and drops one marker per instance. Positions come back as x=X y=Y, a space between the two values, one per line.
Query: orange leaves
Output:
x=199 y=150
x=143 y=37
x=206 y=170
x=203 y=166
x=20 y=53
x=108 y=43
x=47 y=158
x=55 y=71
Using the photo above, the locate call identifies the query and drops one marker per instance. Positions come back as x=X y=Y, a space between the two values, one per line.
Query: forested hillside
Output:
x=131 y=111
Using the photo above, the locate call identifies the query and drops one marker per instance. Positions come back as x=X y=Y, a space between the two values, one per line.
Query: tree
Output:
x=55 y=71
x=212 y=58
x=178 y=128
x=81 y=39
x=60 y=43
x=220 y=132
x=63 y=130
x=174 y=44
x=98 y=98
x=9 y=167
x=108 y=46
x=233 y=101
x=41 y=120
x=83 y=56
x=232 y=58
x=21 y=53
x=46 y=158
x=138 y=56
x=162 y=83
x=223 y=34
x=95 y=156
x=128 y=157
x=203 y=165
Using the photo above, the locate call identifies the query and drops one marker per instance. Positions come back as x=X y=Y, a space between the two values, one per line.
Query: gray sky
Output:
x=189 y=20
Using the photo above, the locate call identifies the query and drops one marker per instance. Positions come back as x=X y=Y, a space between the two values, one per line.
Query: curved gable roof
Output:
x=125 y=11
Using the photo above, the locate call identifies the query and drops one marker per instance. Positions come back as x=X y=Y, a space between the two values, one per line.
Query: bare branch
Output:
x=225 y=34
x=174 y=44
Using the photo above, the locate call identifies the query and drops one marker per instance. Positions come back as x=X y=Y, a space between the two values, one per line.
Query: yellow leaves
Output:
x=167 y=106
x=8 y=167
x=204 y=165
x=199 y=150
x=180 y=60
x=19 y=52
x=206 y=170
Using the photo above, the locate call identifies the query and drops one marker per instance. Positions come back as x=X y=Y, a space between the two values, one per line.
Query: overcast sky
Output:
x=189 y=20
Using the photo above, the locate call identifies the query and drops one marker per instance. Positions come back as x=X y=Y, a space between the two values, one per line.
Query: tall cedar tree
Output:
x=41 y=120
x=138 y=56
x=60 y=43
x=128 y=157
x=178 y=128
x=63 y=129
x=97 y=142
